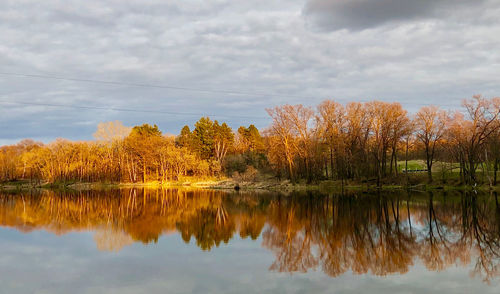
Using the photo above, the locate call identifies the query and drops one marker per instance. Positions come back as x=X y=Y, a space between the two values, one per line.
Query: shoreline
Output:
x=231 y=185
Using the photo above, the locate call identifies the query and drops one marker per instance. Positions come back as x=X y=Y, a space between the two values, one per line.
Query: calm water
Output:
x=181 y=241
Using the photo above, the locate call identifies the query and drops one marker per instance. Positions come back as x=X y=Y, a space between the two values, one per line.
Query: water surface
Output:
x=199 y=241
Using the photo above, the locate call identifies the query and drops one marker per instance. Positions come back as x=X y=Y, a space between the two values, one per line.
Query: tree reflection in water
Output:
x=379 y=234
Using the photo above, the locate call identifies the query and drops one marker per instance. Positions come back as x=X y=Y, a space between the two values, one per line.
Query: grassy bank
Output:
x=271 y=184
x=77 y=185
x=261 y=183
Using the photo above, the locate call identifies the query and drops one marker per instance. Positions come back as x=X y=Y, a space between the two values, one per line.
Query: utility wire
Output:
x=142 y=85
x=221 y=91
x=128 y=109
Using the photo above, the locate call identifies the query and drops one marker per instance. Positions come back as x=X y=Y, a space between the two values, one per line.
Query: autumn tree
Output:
x=401 y=127
x=358 y=130
x=250 y=139
x=332 y=122
x=430 y=123
x=494 y=153
x=301 y=122
x=141 y=143
x=223 y=141
x=210 y=140
x=111 y=131
x=283 y=137
x=387 y=127
x=471 y=133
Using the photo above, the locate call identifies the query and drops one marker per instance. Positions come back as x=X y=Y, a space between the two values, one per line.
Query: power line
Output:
x=128 y=110
x=215 y=91
x=143 y=85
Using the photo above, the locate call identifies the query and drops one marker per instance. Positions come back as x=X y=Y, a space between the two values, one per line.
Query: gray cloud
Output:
x=364 y=14
x=261 y=47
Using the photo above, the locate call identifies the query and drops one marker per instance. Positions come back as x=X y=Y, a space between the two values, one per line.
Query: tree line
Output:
x=354 y=142
x=365 y=141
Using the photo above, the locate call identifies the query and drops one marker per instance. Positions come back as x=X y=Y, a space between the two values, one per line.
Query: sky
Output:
x=71 y=263
x=65 y=66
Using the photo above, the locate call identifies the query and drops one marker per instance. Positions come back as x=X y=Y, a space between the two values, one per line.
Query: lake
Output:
x=202 y=241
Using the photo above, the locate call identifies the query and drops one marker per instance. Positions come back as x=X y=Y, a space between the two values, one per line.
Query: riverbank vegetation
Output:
x=373 y=143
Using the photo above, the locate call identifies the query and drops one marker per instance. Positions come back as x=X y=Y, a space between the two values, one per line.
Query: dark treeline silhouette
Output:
x=379 y=233
x=362 y=142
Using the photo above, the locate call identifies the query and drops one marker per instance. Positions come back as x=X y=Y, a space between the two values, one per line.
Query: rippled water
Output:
x=199 y=241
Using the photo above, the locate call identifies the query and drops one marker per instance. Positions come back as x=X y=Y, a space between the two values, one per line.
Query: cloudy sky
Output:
x=170 y=62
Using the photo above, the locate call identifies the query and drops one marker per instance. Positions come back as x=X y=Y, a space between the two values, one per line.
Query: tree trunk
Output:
x=331 y=162
x=378 y=174
x=396 y=163
x=290 y=171
x=495 y=170
x=428 y=161
x=472 y=171
x=326 y=168
x=406 y=162
x=462 y=169
x=392 y=157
